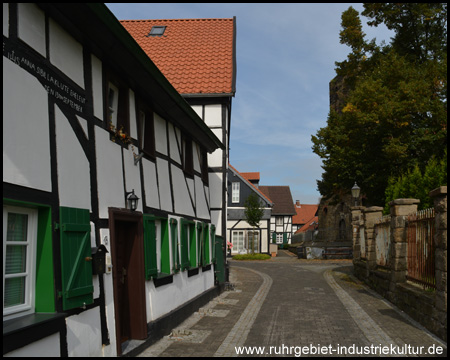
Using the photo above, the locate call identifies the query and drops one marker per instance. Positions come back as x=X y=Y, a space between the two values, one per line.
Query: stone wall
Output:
x=429 y=307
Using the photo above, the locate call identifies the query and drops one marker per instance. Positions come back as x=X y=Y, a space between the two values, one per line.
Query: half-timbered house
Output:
x=282 y=212
x=240 y=233
x=90 y=124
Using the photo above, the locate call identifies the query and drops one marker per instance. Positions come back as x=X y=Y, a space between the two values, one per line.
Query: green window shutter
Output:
x=165 y=248
x=213 y=242
x=151 y=267
x=175 y=251
x=76 y=258
x=184 y=243
x=284 y=238
x=199 y=243
x=205 y=250
x=274 y=237
x=192 y=246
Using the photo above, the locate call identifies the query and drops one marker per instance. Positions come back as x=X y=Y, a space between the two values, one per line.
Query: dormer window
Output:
x=157 y=31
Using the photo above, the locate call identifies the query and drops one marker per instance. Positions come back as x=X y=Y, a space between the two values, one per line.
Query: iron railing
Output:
x=420 y=233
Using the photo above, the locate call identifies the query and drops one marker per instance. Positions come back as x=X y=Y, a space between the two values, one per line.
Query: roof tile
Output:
x=195 y=55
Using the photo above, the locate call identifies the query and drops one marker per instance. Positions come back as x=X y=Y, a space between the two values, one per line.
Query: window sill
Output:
x=24 y=330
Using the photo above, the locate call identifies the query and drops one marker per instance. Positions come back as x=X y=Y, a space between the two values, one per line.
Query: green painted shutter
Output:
x=165 y=248
x=212 y=230
x=151 y=268
x=184 y=243
x=199 y=243
x=274 y=237
x=192 y=246
x=76 y=258
x=175 y=251
x=205 y=241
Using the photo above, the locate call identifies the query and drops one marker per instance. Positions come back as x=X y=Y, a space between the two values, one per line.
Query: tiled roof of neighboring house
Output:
x=304 y=213
x=282 y=199
x=250 y=175
x=250 y=184
x=311 y=224
x=197 y=56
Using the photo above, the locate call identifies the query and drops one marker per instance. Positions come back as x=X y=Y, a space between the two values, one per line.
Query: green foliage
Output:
x=392 y=114
x=253 y=210
x=251 y=257
x=417 y=184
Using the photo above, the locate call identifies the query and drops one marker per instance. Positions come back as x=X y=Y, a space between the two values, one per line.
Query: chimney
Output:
x=297 y=203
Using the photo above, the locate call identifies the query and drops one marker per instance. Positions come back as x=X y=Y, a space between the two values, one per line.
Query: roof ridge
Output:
x=199 y=19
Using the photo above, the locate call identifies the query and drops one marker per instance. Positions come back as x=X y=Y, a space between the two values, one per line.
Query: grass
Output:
x=251 y=257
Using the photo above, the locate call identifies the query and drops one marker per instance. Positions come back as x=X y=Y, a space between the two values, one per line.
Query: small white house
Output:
x=89 y=123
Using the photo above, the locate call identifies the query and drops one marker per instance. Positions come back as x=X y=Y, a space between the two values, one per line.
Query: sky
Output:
x=285 y=55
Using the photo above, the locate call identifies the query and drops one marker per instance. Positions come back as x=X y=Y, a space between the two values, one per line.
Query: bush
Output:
x=251 y=257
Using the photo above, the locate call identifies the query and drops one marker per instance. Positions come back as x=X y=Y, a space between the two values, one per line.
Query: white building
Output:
x=87 y=119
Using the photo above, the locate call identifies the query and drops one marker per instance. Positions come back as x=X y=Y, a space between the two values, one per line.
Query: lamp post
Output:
x=355 y=193
x=131 y=200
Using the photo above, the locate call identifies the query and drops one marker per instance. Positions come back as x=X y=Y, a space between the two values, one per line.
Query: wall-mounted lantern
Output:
x=355 y=193
x=131 y=200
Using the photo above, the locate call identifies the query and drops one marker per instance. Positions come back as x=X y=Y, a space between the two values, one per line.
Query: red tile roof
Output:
x=304 y=213
x=195 y=55
x=311 y=224
x=250 y=175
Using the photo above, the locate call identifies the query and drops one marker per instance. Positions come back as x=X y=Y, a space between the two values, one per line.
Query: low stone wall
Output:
x=428 y=307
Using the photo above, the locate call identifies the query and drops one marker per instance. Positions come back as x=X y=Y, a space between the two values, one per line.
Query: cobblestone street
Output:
x=285 y=306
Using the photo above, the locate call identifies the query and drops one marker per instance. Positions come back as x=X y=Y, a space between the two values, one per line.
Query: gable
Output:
x=281 y=197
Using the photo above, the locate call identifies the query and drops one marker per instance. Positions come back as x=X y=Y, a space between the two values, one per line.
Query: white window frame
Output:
x=30 y=274
x=237 y=240
x=113 y=107
x=279 y=220
x=236 y=186
x=279 y=238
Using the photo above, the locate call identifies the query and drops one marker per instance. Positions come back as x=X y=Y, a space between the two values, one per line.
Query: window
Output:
x=253 y=241
x=113 y=101
x=157 y=31
x=147 y=129
x=235 y=192
x=279 y=238
x=19 y=244
x=237 y=239
x=278 y=220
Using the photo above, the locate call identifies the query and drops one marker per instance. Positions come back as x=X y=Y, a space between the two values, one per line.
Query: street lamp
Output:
x=355 y=193
x=132 y=200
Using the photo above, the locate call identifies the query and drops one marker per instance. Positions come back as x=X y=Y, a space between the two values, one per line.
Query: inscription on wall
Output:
x=58 y=85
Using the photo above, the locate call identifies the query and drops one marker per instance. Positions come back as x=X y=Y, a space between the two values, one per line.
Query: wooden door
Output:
x=128 y=277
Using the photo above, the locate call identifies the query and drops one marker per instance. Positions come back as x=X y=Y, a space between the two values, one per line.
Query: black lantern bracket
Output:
x=131 y=199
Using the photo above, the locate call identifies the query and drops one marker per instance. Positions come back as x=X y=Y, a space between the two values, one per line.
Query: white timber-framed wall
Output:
x=63 y=160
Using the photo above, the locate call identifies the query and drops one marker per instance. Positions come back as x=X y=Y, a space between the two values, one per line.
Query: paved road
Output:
x=290 y=307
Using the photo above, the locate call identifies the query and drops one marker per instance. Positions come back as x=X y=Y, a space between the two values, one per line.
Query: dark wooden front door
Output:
x=128 y=276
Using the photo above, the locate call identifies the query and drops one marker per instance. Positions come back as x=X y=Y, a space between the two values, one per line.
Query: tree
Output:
x=253 y=214
x=393 y=114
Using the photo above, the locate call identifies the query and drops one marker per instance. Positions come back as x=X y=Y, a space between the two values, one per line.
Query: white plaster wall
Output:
x=132 y=175
x=215 y=159
x=202 y=207
x=66 y=53
x=199 y=110
x=109 y=173
x=166 y=298
x=109 y=299
x=197 y=155
x=46 y=347
x=161 y=134
x=215 y=186
x=97 y=87
x=31 y=27
x=26 y=140
x=182 y=200
x=216 y=219
x=84 y=336
x=151 y=184
x=165 y=192
x=73 y=166
x=213 y=115
x=174 y=143
x=132 y=110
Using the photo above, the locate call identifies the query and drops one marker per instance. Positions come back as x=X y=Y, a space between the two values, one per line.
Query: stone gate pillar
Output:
x=400 y=209
x=371 y=215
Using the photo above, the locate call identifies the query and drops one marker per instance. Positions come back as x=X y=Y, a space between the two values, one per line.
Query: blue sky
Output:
x=285 y=60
